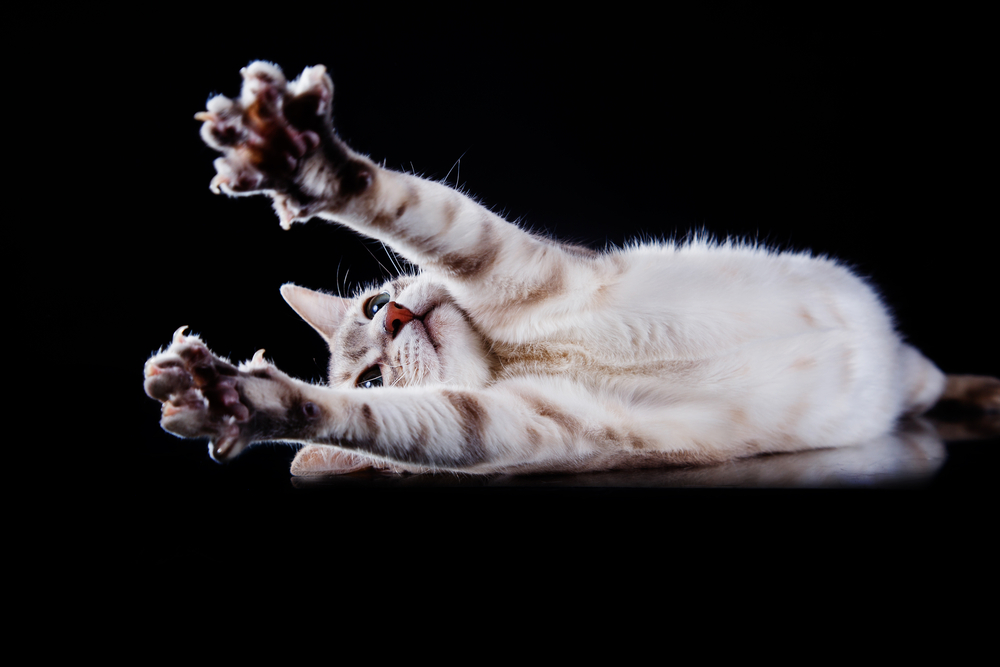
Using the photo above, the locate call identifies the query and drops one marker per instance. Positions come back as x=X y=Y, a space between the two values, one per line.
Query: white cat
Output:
x=513 y=352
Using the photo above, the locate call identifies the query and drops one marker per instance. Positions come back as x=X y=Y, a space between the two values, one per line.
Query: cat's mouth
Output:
x=428 y=325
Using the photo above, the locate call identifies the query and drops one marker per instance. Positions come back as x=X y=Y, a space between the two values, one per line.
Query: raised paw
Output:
x=199 y=394
x=269 y=133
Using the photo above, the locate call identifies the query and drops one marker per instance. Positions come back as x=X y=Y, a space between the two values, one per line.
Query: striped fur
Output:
x=519 y=353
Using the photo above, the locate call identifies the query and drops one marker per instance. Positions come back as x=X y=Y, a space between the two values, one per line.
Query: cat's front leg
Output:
x=413 y=428
x=204 y=396
x=278 y=139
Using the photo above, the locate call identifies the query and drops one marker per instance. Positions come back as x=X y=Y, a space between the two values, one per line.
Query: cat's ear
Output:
x=323 y=312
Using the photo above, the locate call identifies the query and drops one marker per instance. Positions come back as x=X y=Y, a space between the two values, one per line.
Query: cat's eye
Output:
x=371 y=378
x=375 y=304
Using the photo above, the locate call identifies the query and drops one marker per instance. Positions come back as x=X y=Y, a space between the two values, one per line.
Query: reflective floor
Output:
x=916 y=456
x=930 y=484
x=909 y=457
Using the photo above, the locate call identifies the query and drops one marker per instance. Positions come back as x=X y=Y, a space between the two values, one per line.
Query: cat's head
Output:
x=407 y=332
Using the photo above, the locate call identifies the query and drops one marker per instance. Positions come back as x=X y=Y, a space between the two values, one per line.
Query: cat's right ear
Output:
x=322 y=311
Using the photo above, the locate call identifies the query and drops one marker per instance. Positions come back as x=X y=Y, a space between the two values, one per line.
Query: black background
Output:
x=859 y=135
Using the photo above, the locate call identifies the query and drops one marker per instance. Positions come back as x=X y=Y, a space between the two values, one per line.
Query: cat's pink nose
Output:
x=396 y=317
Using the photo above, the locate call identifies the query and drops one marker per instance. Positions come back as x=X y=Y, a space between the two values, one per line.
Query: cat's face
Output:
x=433 y=341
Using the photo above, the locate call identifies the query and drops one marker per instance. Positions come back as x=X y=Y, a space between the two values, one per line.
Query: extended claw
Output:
x=257 y=362
x=179 y=335
x=217 y=182
x=149 y=369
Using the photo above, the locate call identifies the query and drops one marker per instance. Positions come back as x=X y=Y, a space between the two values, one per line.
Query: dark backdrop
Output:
x=862 y=136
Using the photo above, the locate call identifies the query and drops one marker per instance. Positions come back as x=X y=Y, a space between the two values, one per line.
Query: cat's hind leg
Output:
x=316 y=460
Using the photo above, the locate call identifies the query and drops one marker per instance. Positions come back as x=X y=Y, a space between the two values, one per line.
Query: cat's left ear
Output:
x=322 y=311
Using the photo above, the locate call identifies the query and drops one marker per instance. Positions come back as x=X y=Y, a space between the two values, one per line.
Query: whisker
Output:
x=365 y=246
x=392 y=258
x=458 y=162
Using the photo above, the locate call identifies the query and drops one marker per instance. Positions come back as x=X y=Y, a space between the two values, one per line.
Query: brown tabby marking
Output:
x=629 y=439
x=551 y=286
x=354 y=342
x=544 y=409
x=449 y=212
x=473 y=418
x=344 y=376
x=467 y=266
x=370 y=422
x=527 y=294
x=385 y=220
x=580 y=251
x=399 y=284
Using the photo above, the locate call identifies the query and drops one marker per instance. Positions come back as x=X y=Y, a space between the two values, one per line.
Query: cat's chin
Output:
x=458 y=348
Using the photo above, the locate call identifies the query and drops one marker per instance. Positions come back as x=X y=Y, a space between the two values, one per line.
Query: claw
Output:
x=217 y=182
x=256 y=362
x=179 y=335
x=206 y=115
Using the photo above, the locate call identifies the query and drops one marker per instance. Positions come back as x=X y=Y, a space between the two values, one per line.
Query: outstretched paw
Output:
x=204 y=396
x=269 y=132
x=199 y=395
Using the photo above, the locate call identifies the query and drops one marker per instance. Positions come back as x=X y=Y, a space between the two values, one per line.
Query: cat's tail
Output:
x=980 y=392
x=968 y=408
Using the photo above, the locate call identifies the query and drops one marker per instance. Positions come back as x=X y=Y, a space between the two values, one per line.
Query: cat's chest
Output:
x=566 y=359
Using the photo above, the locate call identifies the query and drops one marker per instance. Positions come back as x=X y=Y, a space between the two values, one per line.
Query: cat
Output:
x=512 y=352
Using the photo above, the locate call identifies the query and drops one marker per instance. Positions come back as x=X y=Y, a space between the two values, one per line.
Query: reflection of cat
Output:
x=514 y=352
